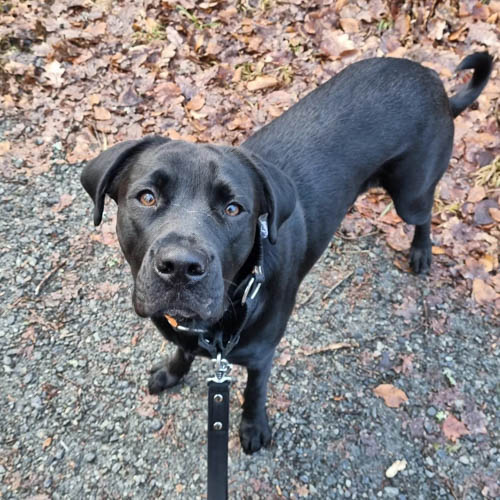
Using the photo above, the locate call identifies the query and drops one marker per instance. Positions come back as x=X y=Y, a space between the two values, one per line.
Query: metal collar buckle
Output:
x=257 y=272
x=222 y=368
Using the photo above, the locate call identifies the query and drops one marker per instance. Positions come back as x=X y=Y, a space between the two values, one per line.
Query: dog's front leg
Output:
x=170 y=371
x=254 y=428
x=421 y=248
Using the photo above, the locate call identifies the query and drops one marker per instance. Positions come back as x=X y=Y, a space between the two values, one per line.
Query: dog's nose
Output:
x=180 y=264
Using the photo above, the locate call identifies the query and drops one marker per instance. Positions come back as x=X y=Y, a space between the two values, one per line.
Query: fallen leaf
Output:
x=349 y=25
x=145 y=409
x=284 y=358
x=483 y=33
x=407 y=309
x=53 y=74
x=4 y=147
x=106 y=234
x=392 y=396
x=64 y=201
x=281 y=402
x=402 y=24
x=262 y=82
x=482 y=212
x=453 y=428
x=458 y=33
x=477 y=193
x=337 y=44
x=396 y=467
x=406 y=365
x=339 y=4
x=495 y=213
x=489 y=262
x=129 y=97
x=94 y=99
x=397 y=239
x=96 y=29
x=47 y=443
x=475 y=421
x=196 y=103
x=302 y=491
x=167 y=90
x=101 y=113
x=438 y=250
x=482 y=292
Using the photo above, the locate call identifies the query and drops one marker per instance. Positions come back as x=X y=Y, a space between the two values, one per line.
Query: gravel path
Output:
x=77 y=421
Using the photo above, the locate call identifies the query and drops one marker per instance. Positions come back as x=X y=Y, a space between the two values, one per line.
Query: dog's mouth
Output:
x=187 y=323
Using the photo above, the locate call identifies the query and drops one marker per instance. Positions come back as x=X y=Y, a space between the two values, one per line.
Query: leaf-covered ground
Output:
x=80 y=75
x=86 y=74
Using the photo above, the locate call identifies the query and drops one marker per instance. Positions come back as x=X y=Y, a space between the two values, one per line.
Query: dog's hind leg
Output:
x=411 y=182
x=170 y=371
x=418 y=211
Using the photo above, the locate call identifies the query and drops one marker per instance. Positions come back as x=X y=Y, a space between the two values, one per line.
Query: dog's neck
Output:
x=225 y=335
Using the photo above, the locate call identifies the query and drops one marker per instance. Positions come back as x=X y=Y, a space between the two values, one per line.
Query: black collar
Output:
x=244 y=300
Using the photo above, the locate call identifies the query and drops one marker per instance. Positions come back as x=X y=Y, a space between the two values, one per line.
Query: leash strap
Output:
x=218 y=386
x=218 y=434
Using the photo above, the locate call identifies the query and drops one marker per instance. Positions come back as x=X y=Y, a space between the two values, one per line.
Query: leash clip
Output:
x=222 y=368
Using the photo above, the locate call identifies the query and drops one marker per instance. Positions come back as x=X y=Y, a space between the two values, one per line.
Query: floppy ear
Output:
x=279 y=193
x=97 y=177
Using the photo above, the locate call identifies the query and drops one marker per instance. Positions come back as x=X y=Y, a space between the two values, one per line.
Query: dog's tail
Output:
x=482 y=64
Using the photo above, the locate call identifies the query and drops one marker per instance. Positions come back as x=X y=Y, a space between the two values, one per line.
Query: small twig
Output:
x=17 y=302
x=66 y=379
x=386 y=210
x=431 y=13
x=353 y=238
x=327 y=294
x=426 y=314
x=123 y=368
x=334 y=346
x=48 y=276
x=7 y=180
x=308 y=298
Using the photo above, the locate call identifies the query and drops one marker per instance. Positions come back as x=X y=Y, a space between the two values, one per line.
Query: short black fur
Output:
x=385 y=122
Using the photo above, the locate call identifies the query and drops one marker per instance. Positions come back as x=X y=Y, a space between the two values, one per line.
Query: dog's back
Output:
x=381 y=121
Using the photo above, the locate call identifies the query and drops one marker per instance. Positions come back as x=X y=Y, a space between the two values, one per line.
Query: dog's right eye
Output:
x=147 y=198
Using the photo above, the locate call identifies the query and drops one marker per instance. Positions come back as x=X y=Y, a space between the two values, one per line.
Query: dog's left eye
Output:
x=147 y=198
x=233 y=209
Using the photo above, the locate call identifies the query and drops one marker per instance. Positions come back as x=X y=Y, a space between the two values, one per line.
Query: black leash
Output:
x=218 y=431
x=218 y=386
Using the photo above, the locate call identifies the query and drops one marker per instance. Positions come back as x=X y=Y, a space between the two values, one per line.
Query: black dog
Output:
x=188 y=215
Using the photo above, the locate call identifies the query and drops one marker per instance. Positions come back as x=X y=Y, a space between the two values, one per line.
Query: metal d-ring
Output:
x=247 y=290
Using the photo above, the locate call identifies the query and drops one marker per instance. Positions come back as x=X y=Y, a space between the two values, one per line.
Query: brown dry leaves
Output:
x=146 y=407
x=262 y=82
x=105 y=72
x=453 y=428
x=392 y=396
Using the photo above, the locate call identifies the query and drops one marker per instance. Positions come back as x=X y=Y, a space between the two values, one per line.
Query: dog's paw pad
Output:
x=160 y=380
x=420 y=259
x=254 y=435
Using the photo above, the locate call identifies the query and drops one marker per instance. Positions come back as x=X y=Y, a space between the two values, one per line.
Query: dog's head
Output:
x=187 y=219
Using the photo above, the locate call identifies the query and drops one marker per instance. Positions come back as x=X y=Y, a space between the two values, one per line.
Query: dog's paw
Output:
x=420 y=259
x=161 y=379
x=254 y=434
